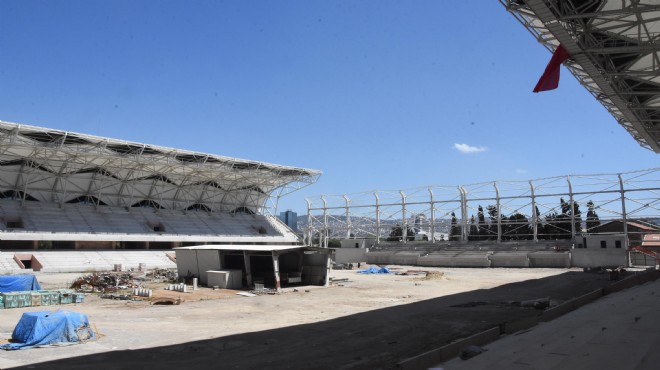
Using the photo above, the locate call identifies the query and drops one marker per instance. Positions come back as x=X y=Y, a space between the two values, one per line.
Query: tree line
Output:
x=518 y=227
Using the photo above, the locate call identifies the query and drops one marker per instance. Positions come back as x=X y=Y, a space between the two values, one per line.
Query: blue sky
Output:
x=376 y=94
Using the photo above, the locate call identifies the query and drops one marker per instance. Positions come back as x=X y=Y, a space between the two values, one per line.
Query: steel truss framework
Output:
x=64 y=167
x=538 y=205
x=615 y=54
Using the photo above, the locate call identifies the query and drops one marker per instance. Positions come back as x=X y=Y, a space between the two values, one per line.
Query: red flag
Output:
x=550 y=78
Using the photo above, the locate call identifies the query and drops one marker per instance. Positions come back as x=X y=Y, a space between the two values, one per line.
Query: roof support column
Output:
x=349 y=226
x=499 y=212
x=310 y=232
x=464 y=214
x=328 y=266
x=535 y=216
x=572 y=209
x=377 y=218
x=248 y=268
x=432 y=204
x=276 y=269
x=404 y=221
x=324 y=241
x=624 y=216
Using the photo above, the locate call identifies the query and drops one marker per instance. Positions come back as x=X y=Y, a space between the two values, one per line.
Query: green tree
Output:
x=577 y=216
x=482 y=227
x=592 y=217
x=474 y=230
x=455 y=231
x=493 y=215
x=397 y=234
x=334 y=243
x=517 y=227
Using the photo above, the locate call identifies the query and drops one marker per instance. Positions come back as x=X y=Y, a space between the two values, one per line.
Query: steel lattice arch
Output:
x=57 y=166
x=552 y=208
x=52 y=181
x=614 y=48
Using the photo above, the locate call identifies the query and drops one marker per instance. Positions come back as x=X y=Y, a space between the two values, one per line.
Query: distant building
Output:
x=290 y=218
x=637 y=230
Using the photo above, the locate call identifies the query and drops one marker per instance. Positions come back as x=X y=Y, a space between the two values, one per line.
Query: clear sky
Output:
x=376 y=94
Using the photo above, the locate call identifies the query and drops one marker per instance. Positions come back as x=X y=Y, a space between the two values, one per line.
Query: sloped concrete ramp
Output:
x=619 y=331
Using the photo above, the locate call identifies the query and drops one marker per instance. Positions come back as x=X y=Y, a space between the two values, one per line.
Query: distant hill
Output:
x=369 y=223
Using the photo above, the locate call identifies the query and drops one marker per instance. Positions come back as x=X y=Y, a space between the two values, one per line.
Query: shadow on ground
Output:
x=368 y=340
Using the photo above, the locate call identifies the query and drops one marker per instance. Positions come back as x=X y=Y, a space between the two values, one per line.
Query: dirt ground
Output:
x=367 y=322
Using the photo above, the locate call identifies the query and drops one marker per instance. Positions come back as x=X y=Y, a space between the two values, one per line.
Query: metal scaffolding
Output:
x=542 y=209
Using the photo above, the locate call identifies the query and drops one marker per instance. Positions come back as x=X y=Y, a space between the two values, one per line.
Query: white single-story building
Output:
x=274 y=266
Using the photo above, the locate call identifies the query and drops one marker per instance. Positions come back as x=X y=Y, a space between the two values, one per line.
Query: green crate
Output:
x=66 y=296
x=17 y=299
x=78 y=297
x=49 y=297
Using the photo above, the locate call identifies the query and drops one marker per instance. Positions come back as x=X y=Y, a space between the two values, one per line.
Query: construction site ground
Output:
x=364 y=322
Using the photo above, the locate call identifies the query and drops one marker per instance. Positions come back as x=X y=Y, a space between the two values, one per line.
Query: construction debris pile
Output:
x=104 y=282
x=111 y=282
x=162 y=275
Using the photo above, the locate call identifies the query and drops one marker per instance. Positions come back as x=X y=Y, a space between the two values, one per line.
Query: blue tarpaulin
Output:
x=49 y=328
x=375 y=270
x=18 y=283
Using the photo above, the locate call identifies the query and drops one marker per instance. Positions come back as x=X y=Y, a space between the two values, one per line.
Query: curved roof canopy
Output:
x=56 y=166
x=615 y=53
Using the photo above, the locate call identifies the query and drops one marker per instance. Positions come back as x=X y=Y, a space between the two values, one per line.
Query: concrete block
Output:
x=472 y=259
x=549 y=259
x=404 y=258
x=350 y=255
x=436 y=260
x=506 y=259
x=225 y=279
x=378 y=258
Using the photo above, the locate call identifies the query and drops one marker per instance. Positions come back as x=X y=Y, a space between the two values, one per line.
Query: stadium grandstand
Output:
x=68 y=191
x=611 y=47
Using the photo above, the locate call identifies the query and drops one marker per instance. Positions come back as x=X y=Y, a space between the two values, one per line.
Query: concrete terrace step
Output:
x=88 y=261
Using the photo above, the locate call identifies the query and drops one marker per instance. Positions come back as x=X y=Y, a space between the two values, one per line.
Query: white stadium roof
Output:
x=64 y=167
x=614 y=48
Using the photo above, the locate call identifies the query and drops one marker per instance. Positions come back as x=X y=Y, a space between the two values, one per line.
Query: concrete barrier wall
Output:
x=471 y=260
x=436 y=260
x=631 y=281
x=518 y=325
x=404 y=258
x=601 y=257
x=378 y=258
x=444 y=353
x=586 y=298
x=509 y=259
x=549 y=259
x=350 y=255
